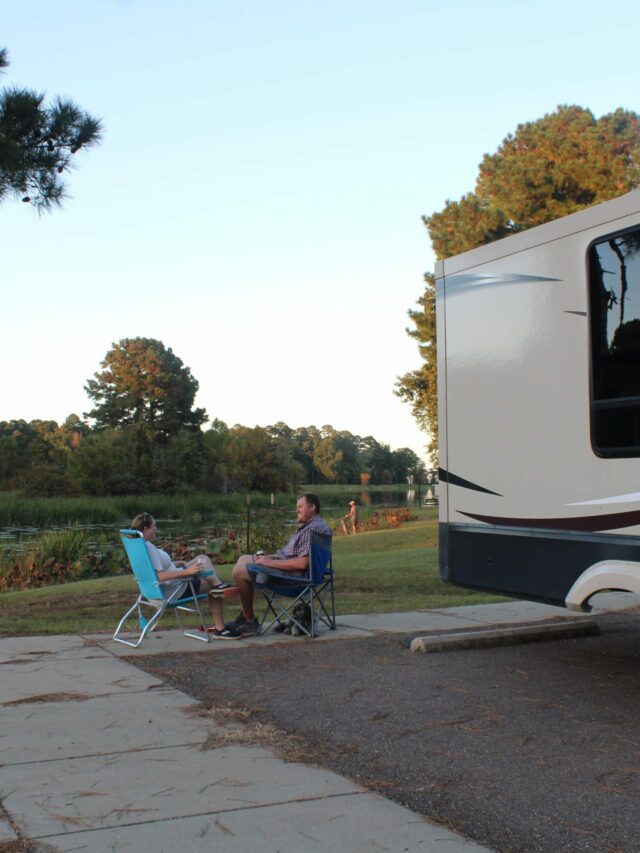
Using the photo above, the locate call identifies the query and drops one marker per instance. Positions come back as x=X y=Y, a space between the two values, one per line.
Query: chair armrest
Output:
x=277 y=574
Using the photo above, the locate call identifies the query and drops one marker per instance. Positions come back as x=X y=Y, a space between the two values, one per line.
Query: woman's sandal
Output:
x=223 y=590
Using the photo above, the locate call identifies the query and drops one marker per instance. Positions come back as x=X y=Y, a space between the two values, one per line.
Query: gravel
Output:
x=523 y=748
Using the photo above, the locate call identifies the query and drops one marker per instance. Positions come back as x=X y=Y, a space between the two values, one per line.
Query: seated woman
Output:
x=168 y=570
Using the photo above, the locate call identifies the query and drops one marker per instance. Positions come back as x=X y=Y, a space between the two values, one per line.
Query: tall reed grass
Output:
x=17 y=510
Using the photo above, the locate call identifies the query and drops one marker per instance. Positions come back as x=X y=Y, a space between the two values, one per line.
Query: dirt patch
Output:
x=49 y=697
x=247 y=727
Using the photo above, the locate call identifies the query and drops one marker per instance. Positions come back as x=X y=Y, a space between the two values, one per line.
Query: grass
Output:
x=376 y=572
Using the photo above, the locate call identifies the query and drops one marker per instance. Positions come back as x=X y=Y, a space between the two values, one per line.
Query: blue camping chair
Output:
x=152 y=595
x=313 y=589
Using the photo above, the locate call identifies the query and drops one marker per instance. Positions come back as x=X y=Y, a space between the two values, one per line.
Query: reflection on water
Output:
x=421 y=495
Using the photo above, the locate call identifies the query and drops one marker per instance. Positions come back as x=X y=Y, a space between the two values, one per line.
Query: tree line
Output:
x=144 y=434
x=73 y=458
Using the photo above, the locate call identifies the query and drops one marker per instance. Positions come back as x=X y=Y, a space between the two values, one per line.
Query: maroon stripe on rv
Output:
x=588 y=523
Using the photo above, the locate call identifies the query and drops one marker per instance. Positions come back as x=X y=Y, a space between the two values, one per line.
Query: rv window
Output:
x=614 y=268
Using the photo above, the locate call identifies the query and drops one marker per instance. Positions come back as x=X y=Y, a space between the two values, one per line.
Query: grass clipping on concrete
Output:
x=380 y=571
x=242 y=726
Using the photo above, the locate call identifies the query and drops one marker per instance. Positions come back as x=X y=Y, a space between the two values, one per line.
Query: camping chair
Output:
x=313 y=590
x=151 y=597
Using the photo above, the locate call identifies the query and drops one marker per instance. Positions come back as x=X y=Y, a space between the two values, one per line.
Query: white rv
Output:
x=539 y=406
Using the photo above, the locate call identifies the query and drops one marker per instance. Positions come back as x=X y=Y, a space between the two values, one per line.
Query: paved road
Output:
x=523 y=748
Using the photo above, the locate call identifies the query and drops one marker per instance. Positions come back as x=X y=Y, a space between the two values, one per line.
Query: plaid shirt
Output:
x=300 y=543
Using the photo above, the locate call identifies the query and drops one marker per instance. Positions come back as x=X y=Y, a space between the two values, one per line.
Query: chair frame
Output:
x=151 y=595
x=311 y=589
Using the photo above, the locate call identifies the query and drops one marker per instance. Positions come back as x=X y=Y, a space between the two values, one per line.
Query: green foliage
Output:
x=65 y=546
x=37 y=143
x=42 y=459
x=556 y=165
x=419 y=387
x=144 y=384
x=145 y=395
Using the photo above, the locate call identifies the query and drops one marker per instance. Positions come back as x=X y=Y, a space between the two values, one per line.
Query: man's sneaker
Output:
x=244 y=625
x=252 y=627
x=238 y=622
x=227 y=633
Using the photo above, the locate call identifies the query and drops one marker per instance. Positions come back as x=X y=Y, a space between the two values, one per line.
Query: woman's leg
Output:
x=203 y=563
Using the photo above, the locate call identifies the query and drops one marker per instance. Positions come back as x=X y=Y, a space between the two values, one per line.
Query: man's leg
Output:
x=242 y=580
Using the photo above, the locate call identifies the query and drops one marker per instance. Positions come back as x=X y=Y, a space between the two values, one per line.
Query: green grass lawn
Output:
x=376 y=572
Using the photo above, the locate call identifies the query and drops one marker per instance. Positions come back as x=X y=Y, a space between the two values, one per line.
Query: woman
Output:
x=176 y=572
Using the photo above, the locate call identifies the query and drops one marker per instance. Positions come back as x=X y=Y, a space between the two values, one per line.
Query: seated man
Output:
x=293 y=558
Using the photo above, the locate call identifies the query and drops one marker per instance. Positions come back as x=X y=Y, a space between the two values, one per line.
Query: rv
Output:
x=539 y=408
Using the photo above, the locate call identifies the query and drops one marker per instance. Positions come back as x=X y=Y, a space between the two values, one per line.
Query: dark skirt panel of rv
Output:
x=540 y=565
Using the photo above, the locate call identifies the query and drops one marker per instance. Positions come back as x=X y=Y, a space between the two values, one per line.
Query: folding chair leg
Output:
x=203 y=635
x=145 y=625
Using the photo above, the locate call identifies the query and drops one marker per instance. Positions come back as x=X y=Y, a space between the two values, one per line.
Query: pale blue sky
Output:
x=256 y=201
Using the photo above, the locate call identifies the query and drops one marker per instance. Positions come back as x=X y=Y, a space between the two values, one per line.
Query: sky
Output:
x=256 y=201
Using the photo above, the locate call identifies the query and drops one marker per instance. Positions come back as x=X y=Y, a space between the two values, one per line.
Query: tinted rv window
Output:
x=615 y=344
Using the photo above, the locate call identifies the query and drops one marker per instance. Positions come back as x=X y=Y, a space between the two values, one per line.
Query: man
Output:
x=293 y=558
x=352 y=515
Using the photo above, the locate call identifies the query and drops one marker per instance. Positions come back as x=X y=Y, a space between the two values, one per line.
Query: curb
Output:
x=505 y=636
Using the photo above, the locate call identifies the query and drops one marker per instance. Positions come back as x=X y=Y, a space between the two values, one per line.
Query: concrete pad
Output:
x=605 y=602
x=404 y=623
x=166 y=642
x=510 y=612
x=508 y=635
x=117 y=723
x=359 y=823
x=150 y=785
x=6 y=832
x=68 y=645
x=93 y=676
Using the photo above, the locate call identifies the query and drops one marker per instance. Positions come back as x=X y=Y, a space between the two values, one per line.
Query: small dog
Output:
x=302 y=614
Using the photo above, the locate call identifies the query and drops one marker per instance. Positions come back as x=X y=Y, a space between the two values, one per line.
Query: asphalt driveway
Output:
x=522 y=748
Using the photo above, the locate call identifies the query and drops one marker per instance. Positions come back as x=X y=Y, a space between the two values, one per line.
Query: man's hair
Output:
x=312 y=500
x=142 y=521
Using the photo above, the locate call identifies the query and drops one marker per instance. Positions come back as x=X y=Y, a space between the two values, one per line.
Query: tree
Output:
x=145 y=390
x=561 y=163
x=37 y=143
x=419 y=387
x=144 y=383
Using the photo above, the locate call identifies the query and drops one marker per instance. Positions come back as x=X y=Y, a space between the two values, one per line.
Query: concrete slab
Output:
x=404 y=623
x=6 y=832
x=119 y=722
x=164 y=642
x=86 y=676
x=509 y=612
x=605 y=602
x=32 y=648
x=157 y=784
x=359 y=823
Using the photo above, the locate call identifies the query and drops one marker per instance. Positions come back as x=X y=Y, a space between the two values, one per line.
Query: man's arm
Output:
x=295 y=564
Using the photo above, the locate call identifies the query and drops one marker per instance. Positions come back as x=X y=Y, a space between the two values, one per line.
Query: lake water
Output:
x=18 y=539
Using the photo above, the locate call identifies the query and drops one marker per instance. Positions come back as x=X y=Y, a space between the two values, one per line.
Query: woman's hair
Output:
x=312 y=500
x=142 y=521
